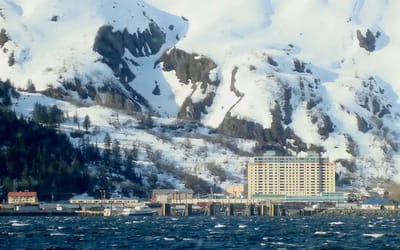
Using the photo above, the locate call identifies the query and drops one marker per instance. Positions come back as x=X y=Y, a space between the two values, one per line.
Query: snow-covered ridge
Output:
x=309 y=73
x=53 y=40
x=356 y=95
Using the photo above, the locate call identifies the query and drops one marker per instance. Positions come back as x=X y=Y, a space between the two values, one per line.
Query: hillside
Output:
x=181 y=78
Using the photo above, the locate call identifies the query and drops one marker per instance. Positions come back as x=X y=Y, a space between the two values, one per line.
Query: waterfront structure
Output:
x=235 y=190
x=308 y=175
x=379 y=203
x=167 y=195
x=125 y=202
x=22 y=198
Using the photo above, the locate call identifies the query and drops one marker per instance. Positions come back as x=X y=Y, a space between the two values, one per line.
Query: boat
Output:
x=140 y=210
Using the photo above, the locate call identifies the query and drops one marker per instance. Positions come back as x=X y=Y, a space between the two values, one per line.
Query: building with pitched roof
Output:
x=22 y=198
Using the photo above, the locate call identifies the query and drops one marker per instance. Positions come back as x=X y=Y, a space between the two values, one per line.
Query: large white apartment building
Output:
x=290 y=175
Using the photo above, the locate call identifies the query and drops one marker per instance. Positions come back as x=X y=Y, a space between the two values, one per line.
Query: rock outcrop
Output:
x=368 y=41
x=192 y=69
x=112 y=45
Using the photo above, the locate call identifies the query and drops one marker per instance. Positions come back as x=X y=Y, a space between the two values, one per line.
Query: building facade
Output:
x=21 y=198
x=235 y=190
x=168 y=195
x=290 y=175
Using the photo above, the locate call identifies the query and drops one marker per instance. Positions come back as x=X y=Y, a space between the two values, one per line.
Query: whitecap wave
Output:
x=375 y=236
x=219 y=226
x=17 y=224
x=335 y=223
x=320 y=233
x=57 y=234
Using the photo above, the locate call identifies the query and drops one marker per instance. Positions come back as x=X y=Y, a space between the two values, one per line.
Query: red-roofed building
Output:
x=21 y=198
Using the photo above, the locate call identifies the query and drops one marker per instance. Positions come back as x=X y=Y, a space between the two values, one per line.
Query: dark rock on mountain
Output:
x=271 y=61
x=367 y=42
x=362 y=124
x=192 y=110
x=112 y=44
x=189 y=67
x=232 y=126
x=3 y=38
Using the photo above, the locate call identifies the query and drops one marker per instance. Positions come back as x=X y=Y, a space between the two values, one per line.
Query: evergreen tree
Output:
x=116 y=154
x=56 y=116
x=39 y=113
x=86 y=123
x=107 y=149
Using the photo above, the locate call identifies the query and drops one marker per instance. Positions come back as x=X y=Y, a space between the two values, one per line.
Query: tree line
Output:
x=35 y=157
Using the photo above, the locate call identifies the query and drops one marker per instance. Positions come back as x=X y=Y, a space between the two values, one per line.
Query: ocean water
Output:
x=199 y=232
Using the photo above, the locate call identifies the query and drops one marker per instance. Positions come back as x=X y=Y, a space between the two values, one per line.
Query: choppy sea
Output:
x=199 y=232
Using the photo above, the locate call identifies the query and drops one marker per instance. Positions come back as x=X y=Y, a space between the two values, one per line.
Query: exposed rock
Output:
x=193 y=111
x=11 y=59
x=117 y=100
x=233 y=80
x=232 y=126
x=287 y=107
x=54 y=18
x=312 y=103
x=351 y=146
x=3 y=38
x=271 y=61
x=189 y=66
x=367 y=42
x=56 y=93
x=277 y=131
x=350 y=165
x=83 y=90
x=275 y=138
x=383 y=111
x=299 y=66
x=323 y=122
x=362 y=124
x=112 y=44
x=315 y=148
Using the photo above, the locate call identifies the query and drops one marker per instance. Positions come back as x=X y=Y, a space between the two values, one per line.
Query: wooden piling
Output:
x=231 y=209
x=211 y=209
x=271 y=211
x=263 y=210
x=250 y=210
x=166 y=209
x=188 y=210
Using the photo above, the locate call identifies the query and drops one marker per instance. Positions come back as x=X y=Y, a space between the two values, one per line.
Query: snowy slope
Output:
x=323 y=35
x=296 y=58
x=52 y=42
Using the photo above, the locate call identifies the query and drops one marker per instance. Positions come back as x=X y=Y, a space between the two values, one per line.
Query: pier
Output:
x=220 y=207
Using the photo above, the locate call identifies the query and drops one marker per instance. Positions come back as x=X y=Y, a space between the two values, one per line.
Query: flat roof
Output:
x=186 y=190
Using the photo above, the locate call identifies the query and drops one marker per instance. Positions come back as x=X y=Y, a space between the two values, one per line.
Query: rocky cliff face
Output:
x=193 y=70
x=111 y=45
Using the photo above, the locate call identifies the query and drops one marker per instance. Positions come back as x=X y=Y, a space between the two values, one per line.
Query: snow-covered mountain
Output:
x=293 y=75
